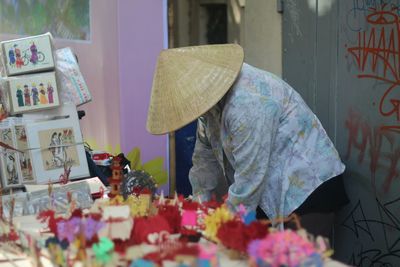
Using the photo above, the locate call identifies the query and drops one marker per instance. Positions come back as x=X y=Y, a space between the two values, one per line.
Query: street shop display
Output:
x=40 y=133
x=41 y=146
x=32 y=92
x=112 y=232
x=27 y=55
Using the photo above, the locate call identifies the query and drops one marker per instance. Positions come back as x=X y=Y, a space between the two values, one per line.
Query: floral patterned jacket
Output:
x=266 y=142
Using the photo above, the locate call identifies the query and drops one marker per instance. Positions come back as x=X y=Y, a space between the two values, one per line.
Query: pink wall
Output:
x=141 y=38
x=98 y=60
x=118 y=64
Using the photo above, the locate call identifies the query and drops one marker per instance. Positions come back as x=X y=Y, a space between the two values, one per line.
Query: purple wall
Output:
x=140 y=39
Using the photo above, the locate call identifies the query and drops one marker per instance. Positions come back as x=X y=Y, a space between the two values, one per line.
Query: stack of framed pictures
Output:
x=47 y=143
x=30 y=73
x=40 y=150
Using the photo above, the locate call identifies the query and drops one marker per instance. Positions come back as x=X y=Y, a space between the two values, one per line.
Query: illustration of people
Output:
x=62 y=148
x=35 y=94
x=6 y=136
x=29 y=168
x=34 y=53
x=20 y=96
x=50 y=91
x=23 y=161
x=18 y=59
x=11 y=169
x=11 y=57
x=27 y=95
x=3 y=112
x=21 y=134
x=43 y=98
x=56 y=149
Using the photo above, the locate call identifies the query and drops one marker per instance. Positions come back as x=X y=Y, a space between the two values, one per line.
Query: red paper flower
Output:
x=255 y=230
x=144 y=226
x=190 y=205
x=172 y=215
x=48 y=216
x=234 y=234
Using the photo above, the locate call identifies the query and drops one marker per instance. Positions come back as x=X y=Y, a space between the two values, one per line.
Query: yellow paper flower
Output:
x=213 y=221
x=117 y=200
x=139 y=205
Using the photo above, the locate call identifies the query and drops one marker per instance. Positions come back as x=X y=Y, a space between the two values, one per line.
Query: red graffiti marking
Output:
x=368 y=141
x=377 y=55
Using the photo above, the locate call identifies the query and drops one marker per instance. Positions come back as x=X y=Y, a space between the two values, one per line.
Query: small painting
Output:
x=25 y=161
x=9 y=160
x=27 y=55
x=61 y=149
x=33 y=92
x=57 y=143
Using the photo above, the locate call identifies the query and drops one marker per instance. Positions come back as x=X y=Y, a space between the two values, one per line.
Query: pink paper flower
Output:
x=91 y=228
x=68 y=229
x=285 y=248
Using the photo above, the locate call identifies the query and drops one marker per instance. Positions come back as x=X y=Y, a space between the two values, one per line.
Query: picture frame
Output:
x=9 y=159
x=55 y=144
x=25 y=160
x=33 y=92
x=73 y=88
x=28 y=55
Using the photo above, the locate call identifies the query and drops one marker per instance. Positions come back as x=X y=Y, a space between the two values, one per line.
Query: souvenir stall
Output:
x=52 y=213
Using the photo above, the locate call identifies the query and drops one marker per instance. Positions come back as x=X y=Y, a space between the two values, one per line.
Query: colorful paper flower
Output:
x=213 y=221
x=236 y=235
x=68 y=229
x=103 y=249
x=284 y=248
x=142 y=263
x=143 y=227
x=91 y=227
x=172 y=215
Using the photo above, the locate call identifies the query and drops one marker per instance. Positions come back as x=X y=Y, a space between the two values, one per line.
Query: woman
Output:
x=255 y=133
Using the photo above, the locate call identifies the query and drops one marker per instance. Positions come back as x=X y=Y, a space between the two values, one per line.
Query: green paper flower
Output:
x=154 y=167
x=103 y=249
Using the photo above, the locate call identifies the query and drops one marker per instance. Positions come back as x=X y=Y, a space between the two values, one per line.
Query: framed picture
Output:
x=27 y=55
x=33 y=92
x=25 y=161
x=73 y=87
x=10 y=172
x=55 y=144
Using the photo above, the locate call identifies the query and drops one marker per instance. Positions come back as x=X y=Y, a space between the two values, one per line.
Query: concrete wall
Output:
x=263 y=35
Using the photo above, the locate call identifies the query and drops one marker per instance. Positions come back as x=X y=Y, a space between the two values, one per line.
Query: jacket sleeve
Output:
x=252 y=129
x=206 y=171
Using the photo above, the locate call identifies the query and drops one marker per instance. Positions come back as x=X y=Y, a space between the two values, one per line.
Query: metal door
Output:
x=343 y=56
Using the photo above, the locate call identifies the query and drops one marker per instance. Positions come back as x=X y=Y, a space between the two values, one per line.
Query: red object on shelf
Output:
x=116 y=179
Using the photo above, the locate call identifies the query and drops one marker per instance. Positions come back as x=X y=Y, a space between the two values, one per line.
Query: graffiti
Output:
x=385 y=226
x=361 y=8
x=370 y=142
x=377 y=56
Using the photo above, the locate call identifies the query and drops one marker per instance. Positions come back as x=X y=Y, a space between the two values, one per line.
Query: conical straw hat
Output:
x=188 y=81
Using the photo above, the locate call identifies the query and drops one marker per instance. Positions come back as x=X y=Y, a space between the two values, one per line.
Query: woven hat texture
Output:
x=189 y=81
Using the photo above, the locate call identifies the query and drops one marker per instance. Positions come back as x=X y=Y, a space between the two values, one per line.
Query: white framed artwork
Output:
x=9 y=159
x=54 y=144
x=33 y=92
x=28 y=55
x=25 y=160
